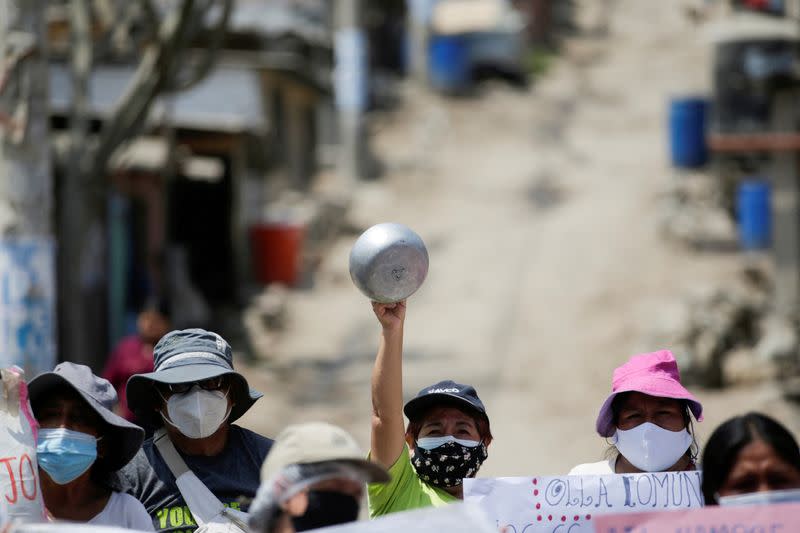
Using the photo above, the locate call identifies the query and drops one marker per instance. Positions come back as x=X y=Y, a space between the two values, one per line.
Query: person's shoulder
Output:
x=138 y=462
x=121 y=351
x=129 y=345
x=402 y=463
x=249 y=435
x=130 y=476
x=132 y=511
x=252 y=439
x=144 y=456
x=403 y=491
x=125 y=500
x=130 y=340
x=125 y=511
x=600 y=467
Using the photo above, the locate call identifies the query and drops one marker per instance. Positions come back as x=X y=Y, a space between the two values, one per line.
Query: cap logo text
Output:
x=220 y=343
x=443 y=390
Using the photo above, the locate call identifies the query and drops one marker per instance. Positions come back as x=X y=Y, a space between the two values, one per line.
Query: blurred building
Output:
x=178 y=199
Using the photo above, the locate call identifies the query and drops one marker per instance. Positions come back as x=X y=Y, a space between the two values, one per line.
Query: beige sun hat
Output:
x=319 y=442
x=302 y=455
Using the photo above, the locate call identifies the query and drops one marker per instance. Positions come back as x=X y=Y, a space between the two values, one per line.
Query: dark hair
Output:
x=723 y=447
x=694 y=449
x=481 y=422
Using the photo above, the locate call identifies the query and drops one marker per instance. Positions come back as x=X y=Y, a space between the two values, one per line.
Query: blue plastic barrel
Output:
x=448 y=62
x=754 y=214
x=687 y=132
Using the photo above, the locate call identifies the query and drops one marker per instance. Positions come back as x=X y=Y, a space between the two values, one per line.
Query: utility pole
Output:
x=419 y=13
x=350 y=88
x=27 y=249
x=76 y=209
x=786 y=210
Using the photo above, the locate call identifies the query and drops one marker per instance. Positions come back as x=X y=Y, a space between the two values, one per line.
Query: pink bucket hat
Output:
x=654 y=374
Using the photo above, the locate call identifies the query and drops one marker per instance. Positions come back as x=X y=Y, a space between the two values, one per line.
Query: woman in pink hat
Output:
x=648 y=419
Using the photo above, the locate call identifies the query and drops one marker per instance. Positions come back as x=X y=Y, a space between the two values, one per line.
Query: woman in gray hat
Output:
x=80 y=443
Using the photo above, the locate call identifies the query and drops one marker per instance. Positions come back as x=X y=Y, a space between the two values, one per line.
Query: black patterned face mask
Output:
x=447 y=465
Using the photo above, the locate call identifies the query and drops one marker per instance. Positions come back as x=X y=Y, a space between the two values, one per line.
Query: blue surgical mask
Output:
x=65 y=454
x=430 y=443
x=761 y=498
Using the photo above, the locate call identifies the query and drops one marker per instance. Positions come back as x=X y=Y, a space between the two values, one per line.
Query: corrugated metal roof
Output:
x=229 y=99
x=308 y=19
x=149 y=154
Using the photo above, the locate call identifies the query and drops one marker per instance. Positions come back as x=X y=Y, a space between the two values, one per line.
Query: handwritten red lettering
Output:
x=7 y=462
x=31 y=474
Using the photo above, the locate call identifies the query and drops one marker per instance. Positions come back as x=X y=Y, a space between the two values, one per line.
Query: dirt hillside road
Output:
x=539 y=209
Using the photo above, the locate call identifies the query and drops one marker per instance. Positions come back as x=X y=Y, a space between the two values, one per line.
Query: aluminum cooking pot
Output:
x=388 y=262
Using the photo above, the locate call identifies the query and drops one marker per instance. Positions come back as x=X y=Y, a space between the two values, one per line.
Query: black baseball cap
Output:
x=445 y=393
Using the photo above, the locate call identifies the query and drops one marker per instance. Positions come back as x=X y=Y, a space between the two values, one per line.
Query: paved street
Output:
x=539 y=210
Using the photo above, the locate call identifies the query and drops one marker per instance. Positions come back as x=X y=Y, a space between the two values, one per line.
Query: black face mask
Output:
x=327 y=508
x=447 y=465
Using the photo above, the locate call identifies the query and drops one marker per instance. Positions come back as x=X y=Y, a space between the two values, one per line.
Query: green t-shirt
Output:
x=405 y=491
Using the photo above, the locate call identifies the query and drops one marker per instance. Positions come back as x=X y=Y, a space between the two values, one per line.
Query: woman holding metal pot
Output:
x=448 y=430
x=444 y=442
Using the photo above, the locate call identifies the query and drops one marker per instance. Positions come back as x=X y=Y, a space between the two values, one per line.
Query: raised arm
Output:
x=388 y=433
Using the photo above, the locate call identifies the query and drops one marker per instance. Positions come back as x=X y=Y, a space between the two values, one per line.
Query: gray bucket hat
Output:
x=123 y=437
x=187 y=356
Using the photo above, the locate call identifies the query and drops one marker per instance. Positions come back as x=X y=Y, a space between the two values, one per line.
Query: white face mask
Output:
x=761 y=498
x=429 y=443
x=652 y=448
x=197 y=413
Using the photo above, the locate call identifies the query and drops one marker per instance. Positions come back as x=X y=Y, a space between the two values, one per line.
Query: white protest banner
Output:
x=455 y=517
x=20 y=490
x=569 y=504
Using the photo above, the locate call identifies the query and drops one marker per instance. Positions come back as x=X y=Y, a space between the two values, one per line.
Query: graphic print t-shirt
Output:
x=231 y=476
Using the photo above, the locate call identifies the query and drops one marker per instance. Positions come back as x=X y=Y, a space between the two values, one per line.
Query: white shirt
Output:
x=123 y=510
x=599 y=468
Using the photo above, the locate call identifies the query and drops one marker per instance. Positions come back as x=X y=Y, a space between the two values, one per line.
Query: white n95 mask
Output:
x=197 y=413
x=652 y=448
